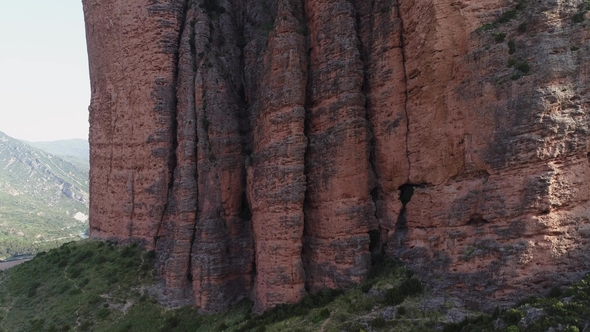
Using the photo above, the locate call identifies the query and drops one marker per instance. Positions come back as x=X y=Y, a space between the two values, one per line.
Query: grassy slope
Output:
x=97 y=286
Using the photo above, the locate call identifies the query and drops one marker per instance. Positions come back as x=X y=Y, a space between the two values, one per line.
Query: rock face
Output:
x=268 y=149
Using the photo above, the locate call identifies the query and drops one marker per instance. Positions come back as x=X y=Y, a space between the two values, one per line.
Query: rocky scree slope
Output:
x=273 y=148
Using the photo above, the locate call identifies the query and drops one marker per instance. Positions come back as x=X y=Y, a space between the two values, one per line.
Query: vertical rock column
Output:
x=381 y=36
x=338 y=207
x=132 y=49
x=435 y=35
x=177 y=231
x=222 y=254
x=276 y=179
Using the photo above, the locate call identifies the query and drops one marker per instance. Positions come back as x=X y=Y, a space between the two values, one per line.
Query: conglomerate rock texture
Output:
x=271 y=148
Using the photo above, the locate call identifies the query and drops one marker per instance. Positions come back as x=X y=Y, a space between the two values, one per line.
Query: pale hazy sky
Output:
x=44 y=85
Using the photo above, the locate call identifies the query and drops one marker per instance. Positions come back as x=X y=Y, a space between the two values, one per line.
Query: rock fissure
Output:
x=376 y=245
x=405 y=76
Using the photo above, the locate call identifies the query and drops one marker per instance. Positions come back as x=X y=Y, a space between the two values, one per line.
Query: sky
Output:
x=44 y=84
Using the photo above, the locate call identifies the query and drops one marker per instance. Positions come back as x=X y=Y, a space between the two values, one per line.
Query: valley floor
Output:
x=8 y=265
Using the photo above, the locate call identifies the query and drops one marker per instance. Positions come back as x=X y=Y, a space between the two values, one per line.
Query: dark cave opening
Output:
x=406 y=192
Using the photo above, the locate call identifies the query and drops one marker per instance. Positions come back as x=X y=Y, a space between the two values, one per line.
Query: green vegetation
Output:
x=569 y=309
x=77 y=285
x=511 y=47
x=499 y=37
x=580 y=16
x=505 y=17
x=522 y=68
x=43 y=200
x=98 y=286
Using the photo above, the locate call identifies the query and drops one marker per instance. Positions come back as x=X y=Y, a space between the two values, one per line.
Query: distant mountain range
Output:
x=43 y=196
x=74 y=150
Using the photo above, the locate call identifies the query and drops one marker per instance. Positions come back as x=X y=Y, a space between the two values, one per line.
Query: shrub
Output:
x=32 y=292
x=172 y=322
x=103 y=313
x=82 y=256
x=401 y=310
x=523 y=67
x=64 y=288
x=511 y=47
x=578 y=17
x=94 y=299
x=555 y=292
x=378 y=322
x=512 y=316
x=410 y=287
x=324 y=313
x=75 y=273
x=366 y=287
x=100 y=259
x=499 y=37
x=571 y=328
x=127 y=252
x=511 y=62
x=507 y=16
x=37 y=324
x=394 y=297
x=150 y=254
x=85 y=326
x=520 y=5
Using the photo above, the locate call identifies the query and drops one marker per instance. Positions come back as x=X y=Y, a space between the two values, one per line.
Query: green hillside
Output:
x=76 y=151
x=43 y=199
x=100 y=286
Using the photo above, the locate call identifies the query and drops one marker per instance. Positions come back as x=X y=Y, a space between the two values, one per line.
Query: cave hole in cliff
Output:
x=406 y=192
x=212 y=8
x=477 y=219
x=376 y=246
x=245 y=212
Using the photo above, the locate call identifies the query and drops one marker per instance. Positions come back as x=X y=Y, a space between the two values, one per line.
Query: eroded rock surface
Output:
x=267 y=149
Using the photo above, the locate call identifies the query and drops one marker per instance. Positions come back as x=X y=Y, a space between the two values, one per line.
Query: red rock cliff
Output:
x=267 y=149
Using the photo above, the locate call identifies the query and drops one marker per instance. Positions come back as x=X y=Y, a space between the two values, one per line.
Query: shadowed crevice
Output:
x=401 y=226
x=404 y=61
x=172 y=158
